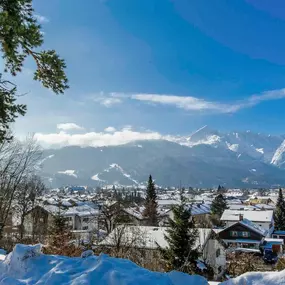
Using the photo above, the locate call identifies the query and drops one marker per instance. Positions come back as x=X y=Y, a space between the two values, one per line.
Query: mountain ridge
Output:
x=205 y=158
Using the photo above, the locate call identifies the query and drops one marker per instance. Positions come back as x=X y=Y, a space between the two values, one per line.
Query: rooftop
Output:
x=254 y=216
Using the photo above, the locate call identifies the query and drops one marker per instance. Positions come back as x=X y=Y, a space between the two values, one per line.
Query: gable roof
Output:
x=254 y=216
x=249 y=225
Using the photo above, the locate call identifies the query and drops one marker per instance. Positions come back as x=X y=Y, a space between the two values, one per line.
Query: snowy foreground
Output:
x=27 y=265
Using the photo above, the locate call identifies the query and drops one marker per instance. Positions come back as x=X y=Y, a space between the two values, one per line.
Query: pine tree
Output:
x=150 y=204
x=219 y=205
x=181 y=237
x=21 y=37
x=221 y=189
x=279 y=217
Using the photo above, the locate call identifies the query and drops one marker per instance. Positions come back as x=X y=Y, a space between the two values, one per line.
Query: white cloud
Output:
x=41 y=19
x=68 y=126
x=186 y=103
x=190 y=103
x=107 y=101
x=110 y=130
x=95 y=139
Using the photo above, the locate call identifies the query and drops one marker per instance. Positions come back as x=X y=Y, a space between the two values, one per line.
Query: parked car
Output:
x=270 y=257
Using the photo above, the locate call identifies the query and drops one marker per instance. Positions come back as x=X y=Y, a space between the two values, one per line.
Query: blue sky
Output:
x=160 y=67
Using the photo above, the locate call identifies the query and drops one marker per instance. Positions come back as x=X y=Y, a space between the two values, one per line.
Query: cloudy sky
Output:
x=146 y=69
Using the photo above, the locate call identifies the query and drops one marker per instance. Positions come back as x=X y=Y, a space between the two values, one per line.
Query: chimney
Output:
x=240 y=217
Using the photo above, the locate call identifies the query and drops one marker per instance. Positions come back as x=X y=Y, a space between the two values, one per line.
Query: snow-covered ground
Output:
x=27 y=265
x=258 y=278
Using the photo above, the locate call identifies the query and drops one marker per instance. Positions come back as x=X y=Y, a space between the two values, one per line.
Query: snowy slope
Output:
x=258 y=278
x=27 y=265
x=121 y=173
x=279 y=155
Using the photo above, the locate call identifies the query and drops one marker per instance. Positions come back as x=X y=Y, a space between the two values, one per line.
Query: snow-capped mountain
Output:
x=204 y=158
x=253 y=144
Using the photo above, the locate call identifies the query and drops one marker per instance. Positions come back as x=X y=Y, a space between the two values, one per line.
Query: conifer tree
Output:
x=21 y=37
x=219 y=205
x=150 y=204
x=279 y=217
x=181 y=237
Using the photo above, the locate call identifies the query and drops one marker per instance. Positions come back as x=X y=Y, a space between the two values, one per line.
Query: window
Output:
x=85 y=228
x=218 y=252
x=245 y=234
x=85 y=220
x=233 y=233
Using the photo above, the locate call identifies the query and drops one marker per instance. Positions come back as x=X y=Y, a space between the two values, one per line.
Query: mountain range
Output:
x=206 y=158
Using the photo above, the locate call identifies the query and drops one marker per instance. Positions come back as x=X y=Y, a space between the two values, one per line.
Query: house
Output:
x=243 y=234
x=268 y=200
x=199 y=211
x=150 y=238
x=134 y=215
x=81 y=218
x=262 y=219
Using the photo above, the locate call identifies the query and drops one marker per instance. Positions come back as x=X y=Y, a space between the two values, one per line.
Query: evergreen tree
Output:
x=279 y=217
x=221 y=189
x=219 y=204
x=21 y=37
x=150 y=204
x=181 y=237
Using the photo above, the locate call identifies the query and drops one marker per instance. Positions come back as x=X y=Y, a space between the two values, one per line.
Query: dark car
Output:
x=270 y=257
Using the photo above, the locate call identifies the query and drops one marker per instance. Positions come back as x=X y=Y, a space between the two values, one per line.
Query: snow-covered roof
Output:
x=253 y=227
x=52 y=209
x=167 y=202
x=240 y=207
x=200 y=209
x=274 y=240
x=147 y=237
x=135 y=212
x=279 y=232
x=254 y=216
x=81 y=211
x=265 y=206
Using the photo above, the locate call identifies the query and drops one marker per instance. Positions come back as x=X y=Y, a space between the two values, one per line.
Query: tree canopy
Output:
x=181 y=253
x=151 y=204
x=219 y=205
x=279 y=218
x=21 y=37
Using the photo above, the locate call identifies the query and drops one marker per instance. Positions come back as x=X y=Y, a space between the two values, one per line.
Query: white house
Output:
x=263 y=219
x=83 y=217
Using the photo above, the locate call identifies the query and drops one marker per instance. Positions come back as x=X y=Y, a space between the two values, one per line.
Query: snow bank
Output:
x=27 y=265
x=258 y=278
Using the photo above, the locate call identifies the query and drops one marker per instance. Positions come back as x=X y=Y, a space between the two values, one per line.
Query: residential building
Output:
x=261 y=218
x=243 y=234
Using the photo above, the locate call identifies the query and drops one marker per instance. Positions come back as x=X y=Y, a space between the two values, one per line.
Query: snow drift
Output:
x=27 y=265
x=258 y=278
